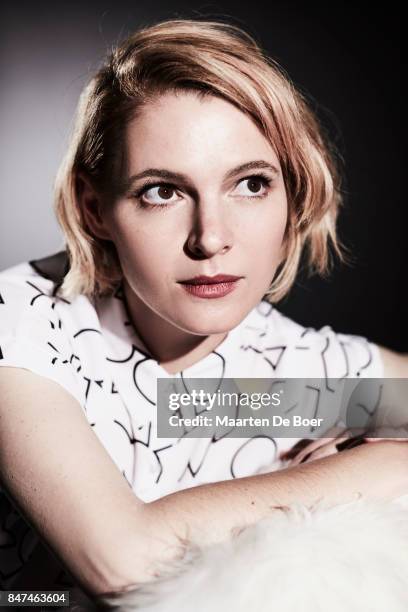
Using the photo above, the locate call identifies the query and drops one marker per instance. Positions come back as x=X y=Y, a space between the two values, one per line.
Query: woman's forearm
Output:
x=209 y=513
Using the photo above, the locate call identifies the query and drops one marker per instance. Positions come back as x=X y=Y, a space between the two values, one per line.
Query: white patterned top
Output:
x=91 y=349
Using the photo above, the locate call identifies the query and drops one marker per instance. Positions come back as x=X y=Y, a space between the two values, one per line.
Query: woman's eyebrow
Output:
x=259 y=164
x=177 y=176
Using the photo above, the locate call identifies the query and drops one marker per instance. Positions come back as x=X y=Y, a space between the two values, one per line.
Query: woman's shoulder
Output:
x=18 y=280
x=25 y=295
x=309 y=351
x=38 y=328
x=32 y=287
x=44 y=275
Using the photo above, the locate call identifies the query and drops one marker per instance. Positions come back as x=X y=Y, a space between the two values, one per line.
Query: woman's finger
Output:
x=296 y=448
x=306 y=453
x=306 y=445
x=323 y=451
x=307 y=450
x=336 y=445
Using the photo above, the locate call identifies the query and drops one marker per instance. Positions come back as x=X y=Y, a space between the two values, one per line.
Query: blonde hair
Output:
x=211 y=58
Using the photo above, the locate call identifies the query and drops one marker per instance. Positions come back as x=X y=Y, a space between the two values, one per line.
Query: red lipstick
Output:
x=211 y=286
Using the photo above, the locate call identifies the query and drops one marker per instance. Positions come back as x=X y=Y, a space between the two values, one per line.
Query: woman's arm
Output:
x=62 y=478
x=208 y=512
x=63 y=481
x=395 y=364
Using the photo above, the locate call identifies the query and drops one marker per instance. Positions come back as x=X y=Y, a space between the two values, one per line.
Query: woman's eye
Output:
x=159 y=194
x=253 y=186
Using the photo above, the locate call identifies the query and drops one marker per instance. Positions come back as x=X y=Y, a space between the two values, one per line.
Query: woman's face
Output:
x=203 y=195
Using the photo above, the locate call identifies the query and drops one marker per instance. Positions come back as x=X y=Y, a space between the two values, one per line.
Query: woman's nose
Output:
x=211 y=232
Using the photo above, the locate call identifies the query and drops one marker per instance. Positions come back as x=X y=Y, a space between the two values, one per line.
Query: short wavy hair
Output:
x=210 y=58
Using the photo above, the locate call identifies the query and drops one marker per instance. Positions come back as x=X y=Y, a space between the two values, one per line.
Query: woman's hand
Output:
x=308 y=450
x=340 y=439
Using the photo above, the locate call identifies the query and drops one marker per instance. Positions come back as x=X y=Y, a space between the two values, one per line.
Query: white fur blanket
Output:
x=352 y=557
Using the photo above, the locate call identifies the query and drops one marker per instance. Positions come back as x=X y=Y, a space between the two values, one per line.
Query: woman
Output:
x=195 y=177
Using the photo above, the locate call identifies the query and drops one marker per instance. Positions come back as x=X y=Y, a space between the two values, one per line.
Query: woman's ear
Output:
x=91 y=207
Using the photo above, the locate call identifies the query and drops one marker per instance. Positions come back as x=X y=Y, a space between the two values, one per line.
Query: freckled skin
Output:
x=209 y=226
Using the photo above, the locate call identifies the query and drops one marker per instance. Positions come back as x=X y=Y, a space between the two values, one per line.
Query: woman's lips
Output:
x=210 y=290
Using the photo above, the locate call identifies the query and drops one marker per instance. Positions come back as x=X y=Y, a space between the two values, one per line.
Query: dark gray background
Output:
x=348 y=59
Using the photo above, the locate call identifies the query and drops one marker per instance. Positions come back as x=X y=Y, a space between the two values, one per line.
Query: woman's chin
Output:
x=210 y=323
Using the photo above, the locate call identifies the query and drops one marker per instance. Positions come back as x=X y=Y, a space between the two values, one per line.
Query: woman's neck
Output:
x=174 y=349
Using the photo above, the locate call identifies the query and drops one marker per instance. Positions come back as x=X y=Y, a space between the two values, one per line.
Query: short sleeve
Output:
x=348 y=355
x=306 y=352
x=32 y=335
